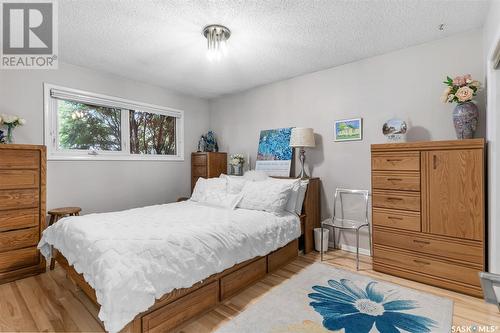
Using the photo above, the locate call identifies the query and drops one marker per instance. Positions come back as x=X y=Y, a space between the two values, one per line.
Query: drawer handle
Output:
x=394 y=218
x=394 y=160
x=421 y=262
x=421 y=242
x=394 y=199
x=394 y=179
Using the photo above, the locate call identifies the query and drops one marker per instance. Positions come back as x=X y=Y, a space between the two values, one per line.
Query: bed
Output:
x=147 y=275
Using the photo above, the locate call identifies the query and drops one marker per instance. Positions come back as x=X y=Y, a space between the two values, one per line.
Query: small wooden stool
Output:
x=58 y=213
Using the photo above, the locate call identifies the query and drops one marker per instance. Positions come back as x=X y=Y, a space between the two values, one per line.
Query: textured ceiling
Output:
x=160 y=42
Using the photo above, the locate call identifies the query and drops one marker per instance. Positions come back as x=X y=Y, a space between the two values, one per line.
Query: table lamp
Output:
x=302 y=138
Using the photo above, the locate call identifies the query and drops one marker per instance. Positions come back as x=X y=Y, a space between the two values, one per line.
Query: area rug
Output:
x=321 y=298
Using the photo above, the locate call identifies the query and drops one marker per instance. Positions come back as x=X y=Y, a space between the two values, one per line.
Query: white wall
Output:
x=99 y=186
x=405 y=84
x=491 y=40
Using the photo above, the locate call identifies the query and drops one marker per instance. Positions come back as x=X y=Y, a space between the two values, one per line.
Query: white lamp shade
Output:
x=302 y=137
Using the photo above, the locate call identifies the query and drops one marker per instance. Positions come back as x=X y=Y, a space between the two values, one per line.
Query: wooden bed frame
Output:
x=181 y=305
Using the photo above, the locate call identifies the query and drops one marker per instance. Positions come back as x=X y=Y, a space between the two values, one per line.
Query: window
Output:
x=83 y=125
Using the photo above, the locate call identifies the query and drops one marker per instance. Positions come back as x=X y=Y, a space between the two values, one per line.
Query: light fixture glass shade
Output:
x=302 y=137
x=217 y=36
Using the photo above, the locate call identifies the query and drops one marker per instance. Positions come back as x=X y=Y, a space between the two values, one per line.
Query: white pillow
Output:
x=213 y=191
x=292 y=200
x=267 y=195
x=222 y=199
x=234 y=183
x=297 y=195
x=301 y=196
x=204 y=187
x=254 y=175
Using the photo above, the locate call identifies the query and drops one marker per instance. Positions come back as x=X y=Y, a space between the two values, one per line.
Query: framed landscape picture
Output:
x=348 y=129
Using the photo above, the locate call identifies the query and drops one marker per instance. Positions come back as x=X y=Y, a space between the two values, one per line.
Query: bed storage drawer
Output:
x=282 y=256
x=14 y=199
x=396 y=200
x=426 y=265
x=240 y=279
x=399 y=219
x=16 y=239
x=171 y=315
x=407 y=161
x=18 y=258
x=432 y=245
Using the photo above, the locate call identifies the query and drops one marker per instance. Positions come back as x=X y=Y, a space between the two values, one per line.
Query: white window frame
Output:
x=51 y=135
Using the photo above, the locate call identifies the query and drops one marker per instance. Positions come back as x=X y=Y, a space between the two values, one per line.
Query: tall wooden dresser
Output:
x=207 y=165
x=429 y=212
x=22 y=210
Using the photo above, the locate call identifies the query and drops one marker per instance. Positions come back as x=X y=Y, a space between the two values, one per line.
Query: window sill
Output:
x=57 y=157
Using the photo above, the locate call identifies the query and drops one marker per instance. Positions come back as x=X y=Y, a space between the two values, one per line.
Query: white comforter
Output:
x=135 y=256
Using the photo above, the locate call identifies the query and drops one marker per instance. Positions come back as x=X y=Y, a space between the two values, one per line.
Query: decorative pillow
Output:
x=267 y=195
x=204 y=187
x=234 y=183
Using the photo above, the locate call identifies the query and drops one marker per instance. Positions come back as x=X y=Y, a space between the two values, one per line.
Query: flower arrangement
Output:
x=461 y=89
x=236 y=159
x=11 y=122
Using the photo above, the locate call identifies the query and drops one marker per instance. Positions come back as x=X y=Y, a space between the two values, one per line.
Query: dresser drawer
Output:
x=396 y=161
x=396 y=219
x=199 y=171
x=12 y=199
x=16 y=239
x=426 y=265
x=18 y=179
x=18 y=219
x=18 y=258
x=457 y=250
x=19 y=159
x=396 y=200
x=199 y=159
x=396 y=181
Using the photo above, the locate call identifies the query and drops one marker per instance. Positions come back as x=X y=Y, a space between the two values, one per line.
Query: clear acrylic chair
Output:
x=339 y=222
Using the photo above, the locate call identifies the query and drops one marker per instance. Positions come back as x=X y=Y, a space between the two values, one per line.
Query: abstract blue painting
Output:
x=274 y=155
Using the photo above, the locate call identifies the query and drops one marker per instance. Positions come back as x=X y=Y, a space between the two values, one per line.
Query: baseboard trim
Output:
x=349 y=248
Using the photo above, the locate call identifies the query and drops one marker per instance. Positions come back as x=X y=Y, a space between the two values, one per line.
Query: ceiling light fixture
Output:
x=217 y=36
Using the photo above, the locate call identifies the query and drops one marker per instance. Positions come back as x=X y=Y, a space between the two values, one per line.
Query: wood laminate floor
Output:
x=50 y=302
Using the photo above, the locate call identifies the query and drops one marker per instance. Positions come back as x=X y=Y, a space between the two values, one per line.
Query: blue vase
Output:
x=465 y=119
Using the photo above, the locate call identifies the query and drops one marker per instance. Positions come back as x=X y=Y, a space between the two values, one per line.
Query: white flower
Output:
x=450 y=97
x=9 y=119
x=22 y=121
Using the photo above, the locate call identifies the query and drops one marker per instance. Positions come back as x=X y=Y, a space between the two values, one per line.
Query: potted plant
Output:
x=236 y=161
x=11 y=122
x=461 y=90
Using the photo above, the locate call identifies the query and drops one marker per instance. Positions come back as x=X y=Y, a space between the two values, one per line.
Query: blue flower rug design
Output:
x=321 y=298
x=344 y=305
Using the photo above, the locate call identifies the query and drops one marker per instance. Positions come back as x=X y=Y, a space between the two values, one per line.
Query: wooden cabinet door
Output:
x=455 y=193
